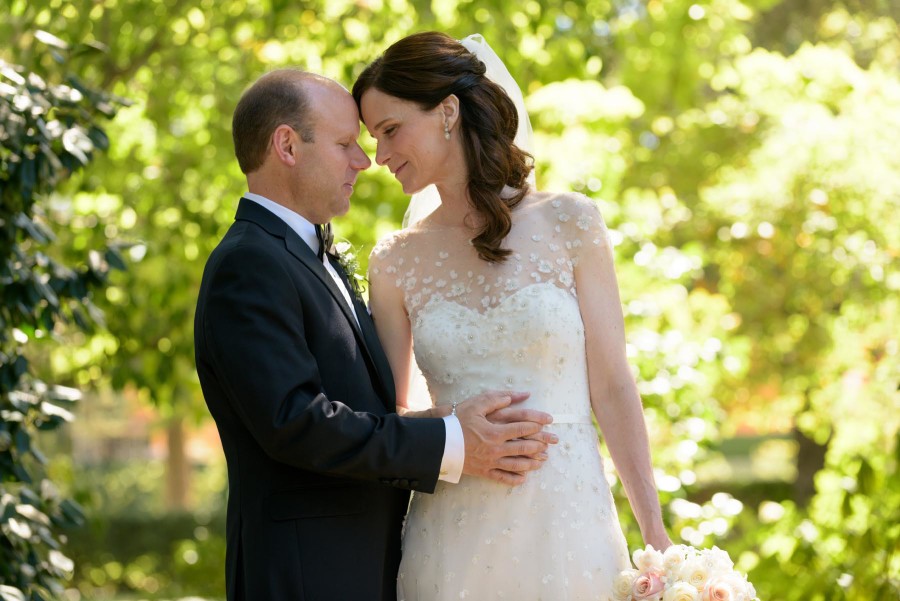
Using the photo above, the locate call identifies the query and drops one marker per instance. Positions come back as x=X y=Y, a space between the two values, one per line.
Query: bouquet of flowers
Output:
x=683 y=573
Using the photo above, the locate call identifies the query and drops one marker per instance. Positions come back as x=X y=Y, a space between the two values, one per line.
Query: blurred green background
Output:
x=744 y=154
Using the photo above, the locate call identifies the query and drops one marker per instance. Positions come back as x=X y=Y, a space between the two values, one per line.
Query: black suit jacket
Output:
x=319 y=464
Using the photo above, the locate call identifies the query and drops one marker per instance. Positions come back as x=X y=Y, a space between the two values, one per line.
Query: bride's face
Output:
x=411 y=141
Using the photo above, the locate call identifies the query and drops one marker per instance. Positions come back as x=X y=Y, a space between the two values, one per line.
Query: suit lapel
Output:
x=367 y=326
x=297 y=247
x=364 y=330
x=367 y=340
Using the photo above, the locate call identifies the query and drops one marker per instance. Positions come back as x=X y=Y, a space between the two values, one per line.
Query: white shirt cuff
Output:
x=454 y=451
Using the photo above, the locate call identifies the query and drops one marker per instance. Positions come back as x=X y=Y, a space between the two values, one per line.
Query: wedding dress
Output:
x=478 y=326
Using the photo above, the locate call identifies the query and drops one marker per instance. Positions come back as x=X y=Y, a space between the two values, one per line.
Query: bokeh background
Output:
x=746 y=156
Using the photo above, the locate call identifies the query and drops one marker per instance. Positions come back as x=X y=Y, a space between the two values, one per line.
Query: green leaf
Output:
x=7 y=509
x=72 y=511
x=80 y=320
x=51 y=410
x=39 y=456
x=36 y=231
x=114 y=259
x=33 y=514
x=60 y=561
x=23 y=441
x=866 y=478
x=27 y=495
x=897 y=448
x=51 y=40
x=20 y=473
x=99 y=138
x=78 y=145
x=27 y=176
x=847 y=505
x=46 y=293
x=20 y=366
x=9 y=593
x=20 y=528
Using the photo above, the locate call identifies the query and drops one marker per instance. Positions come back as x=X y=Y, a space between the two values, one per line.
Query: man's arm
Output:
x=251 y=336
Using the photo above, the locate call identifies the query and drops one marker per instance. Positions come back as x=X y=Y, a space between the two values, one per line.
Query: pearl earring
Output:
x=446 y=131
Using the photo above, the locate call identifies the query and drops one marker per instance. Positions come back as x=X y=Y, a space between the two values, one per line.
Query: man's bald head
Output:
x=280 y=97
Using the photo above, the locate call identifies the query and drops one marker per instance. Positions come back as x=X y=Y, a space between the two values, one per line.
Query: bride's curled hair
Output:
x=426 y=68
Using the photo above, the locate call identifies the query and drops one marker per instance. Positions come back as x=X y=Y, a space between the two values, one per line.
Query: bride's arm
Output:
x=392 y=325
x=614 y=395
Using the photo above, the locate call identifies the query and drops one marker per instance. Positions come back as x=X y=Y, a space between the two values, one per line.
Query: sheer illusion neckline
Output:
x=427 y=223
x=546 y=238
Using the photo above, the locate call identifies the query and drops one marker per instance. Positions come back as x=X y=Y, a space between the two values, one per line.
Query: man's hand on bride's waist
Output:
x=503 y=442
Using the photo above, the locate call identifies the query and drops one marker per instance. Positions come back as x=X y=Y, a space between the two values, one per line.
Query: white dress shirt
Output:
x=454 y=444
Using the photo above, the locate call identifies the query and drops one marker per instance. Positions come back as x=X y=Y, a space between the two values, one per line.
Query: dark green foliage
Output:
x=49 y=130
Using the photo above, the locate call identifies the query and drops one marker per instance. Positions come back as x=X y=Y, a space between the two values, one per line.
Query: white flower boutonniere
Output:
x=346 y=256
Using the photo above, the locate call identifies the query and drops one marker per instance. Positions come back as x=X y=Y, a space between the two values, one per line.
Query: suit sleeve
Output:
x=253 y=338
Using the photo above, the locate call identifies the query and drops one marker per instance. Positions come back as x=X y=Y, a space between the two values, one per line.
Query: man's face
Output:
x=328 y=166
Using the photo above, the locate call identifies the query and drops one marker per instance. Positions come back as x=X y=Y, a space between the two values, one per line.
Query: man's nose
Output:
x=361 y=159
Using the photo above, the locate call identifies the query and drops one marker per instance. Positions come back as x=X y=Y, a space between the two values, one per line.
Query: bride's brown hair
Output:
x=426 y=68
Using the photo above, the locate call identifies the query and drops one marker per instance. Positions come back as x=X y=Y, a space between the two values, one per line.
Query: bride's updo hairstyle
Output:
x=426 y=68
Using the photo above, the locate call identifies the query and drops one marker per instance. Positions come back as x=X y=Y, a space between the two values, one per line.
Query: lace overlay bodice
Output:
x=452 y=295
x=516 y=325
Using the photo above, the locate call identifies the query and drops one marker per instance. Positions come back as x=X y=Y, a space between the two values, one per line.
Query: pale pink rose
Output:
x=648 y=586
x=728 y=587
x=717 y=591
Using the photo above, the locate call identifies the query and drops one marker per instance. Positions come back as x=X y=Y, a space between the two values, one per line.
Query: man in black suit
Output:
x=319 y=464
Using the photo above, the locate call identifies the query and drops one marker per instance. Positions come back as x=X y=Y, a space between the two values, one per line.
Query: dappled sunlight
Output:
x=742 y=154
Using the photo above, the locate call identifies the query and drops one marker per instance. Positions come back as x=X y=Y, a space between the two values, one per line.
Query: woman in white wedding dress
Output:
x=499 y=287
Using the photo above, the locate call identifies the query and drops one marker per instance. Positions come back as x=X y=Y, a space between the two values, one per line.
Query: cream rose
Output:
x=694 y=572
x=674 y=557
x=681 y=591
x=648 y=560
x=718 y=560
x=623 y=583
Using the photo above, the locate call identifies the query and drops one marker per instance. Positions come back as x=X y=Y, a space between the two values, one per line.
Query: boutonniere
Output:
x=346 y=256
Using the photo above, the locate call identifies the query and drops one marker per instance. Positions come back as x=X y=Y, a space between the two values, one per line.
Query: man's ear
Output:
x=450 y=110
x=286 y=145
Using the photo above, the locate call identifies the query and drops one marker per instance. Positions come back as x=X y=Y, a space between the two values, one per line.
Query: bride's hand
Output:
x=660 y=540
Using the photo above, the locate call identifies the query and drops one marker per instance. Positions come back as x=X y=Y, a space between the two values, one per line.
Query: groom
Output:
x=319 y=464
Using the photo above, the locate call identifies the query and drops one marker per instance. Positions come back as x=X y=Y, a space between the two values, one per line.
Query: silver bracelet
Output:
x=453 y=407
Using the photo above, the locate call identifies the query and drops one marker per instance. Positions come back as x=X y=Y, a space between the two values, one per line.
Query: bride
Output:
x=501 y=286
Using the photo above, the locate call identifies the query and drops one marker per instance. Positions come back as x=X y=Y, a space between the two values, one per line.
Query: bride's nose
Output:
x=382 y=154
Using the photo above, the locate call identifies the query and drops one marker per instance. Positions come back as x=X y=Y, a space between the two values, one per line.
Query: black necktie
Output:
x=325 y=237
